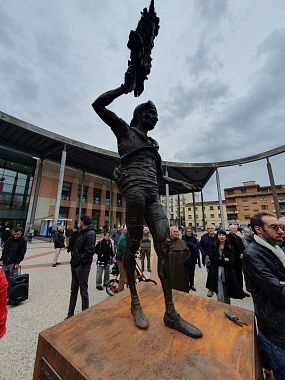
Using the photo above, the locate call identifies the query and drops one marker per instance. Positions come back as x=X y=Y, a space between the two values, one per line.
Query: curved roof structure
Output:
x=19 y=139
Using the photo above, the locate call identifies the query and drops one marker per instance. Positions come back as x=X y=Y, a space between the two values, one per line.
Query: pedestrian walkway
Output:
x=48 y=302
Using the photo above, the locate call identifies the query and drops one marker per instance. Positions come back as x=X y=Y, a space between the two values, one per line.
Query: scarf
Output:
x=278 y=252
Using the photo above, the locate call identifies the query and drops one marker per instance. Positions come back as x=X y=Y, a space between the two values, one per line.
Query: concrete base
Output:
x=103 y=342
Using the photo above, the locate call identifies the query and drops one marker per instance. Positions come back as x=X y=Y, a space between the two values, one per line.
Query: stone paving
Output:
x=47 y=305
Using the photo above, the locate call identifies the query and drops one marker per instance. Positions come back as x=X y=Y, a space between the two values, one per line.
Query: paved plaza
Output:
x=47 y=305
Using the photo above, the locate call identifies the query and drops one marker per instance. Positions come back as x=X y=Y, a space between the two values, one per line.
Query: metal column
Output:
x=59 y=187
x=179 y=213
x=194 y=209
x=167 y=197
x=110 y=205
x=36 y=195
x=220 y=199
x=273 y=188
x=203 y=211
x=81 y=198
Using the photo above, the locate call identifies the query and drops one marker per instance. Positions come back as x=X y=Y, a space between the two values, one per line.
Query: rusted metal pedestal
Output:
x=103 y=342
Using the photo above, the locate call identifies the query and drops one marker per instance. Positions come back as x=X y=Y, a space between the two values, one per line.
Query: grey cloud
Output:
x=201 y=98
x=203 y=60
x=7 y=25
x=212 y=11
x=254 y=122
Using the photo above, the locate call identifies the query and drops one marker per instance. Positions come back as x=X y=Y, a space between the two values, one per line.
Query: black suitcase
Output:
x=18 y=289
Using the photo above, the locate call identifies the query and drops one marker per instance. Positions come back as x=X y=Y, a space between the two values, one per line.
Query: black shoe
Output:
x=99 y=287
x=141 y=320
x=246 y=294
x=193 y=288
x=174 y=321
x=68 y=316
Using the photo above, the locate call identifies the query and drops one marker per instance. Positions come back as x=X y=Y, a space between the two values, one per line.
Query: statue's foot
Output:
x=174 y=321
x=140 y=318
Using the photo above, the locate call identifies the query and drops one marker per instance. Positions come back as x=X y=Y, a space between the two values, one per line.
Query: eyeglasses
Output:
x=277 y=227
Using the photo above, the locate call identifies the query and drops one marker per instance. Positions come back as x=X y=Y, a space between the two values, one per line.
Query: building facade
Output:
x=101 y=199
x=177 y=207
x=242 y=202
x=212 y=214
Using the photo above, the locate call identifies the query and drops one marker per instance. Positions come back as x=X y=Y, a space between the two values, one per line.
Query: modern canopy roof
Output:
x=19 y=139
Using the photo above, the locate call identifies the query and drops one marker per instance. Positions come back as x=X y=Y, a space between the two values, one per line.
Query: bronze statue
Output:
x=137 y=178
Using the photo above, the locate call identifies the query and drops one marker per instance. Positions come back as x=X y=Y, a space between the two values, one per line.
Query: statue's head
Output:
x=146 y=115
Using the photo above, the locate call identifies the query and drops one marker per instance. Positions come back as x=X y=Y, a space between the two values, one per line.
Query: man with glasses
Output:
x=281 y=222
x=264 y=271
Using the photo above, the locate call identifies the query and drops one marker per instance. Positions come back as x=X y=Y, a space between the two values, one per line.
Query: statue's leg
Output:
x=160 y=233
x=134 y=217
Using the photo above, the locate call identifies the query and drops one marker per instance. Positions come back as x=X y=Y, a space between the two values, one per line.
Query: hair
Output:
x=256 y=220
x=86 y=220
x=138 y=110
x=18 y=229
x=222 y=232
x=106 y=233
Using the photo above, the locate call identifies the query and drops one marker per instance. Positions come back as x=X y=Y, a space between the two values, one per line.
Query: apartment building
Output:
x=242 y=202
x=177 y=204
x=212 y=214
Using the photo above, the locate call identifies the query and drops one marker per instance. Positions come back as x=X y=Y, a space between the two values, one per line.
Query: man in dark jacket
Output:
x=238 y=246
x=13 y=253
x=81 y=260
x=190 y=263
x=264 y=271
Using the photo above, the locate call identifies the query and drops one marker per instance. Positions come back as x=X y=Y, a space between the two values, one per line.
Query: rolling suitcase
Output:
x=18 y=290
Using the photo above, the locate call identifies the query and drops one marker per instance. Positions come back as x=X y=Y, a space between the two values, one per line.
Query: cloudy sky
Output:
x=218 y=77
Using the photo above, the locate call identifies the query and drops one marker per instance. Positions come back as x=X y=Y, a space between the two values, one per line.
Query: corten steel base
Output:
x=103 y=343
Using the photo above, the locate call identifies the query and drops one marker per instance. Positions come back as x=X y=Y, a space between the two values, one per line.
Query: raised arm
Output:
x=100 y=104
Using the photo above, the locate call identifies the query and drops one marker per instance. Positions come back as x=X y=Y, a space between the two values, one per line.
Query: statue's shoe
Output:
x=140 y=318
x=174 y=321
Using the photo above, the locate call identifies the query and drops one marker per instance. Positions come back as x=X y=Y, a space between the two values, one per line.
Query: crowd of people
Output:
x=256 y=254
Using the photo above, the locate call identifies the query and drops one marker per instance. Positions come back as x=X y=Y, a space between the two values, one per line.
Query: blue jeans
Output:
x=272 y=357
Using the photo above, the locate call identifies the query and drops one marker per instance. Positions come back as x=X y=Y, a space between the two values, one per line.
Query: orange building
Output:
x=242 y=202
x=97 y=202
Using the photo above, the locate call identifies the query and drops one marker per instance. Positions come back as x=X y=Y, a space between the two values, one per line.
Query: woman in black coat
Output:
x=221 y=277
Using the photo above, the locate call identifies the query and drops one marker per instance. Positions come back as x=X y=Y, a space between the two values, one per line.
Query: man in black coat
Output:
x=81 y=260
x=264 y=272
x=13 y=253
x=191 y=262
x=238 y=246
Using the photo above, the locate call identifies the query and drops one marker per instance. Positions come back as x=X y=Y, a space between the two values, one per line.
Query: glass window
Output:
x=189 y=208
x=119 y=200
x=83 y=212
x=63 y=212
x=211 y=207
x=96 y=196
x=118 y=217
x=66 y=191
x=212 y=216
x=95 y=218
x=85 y=189
x=107 y=200
x=264 y=207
